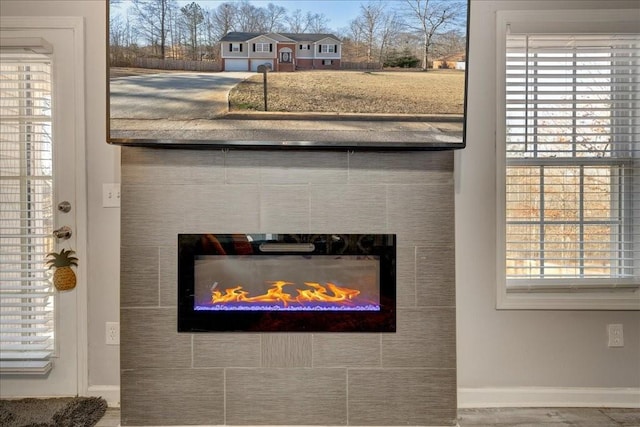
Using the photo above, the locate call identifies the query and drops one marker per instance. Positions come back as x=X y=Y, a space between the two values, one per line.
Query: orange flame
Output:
x=276 y=294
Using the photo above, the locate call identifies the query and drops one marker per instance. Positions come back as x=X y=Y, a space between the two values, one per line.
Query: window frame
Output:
x=328 y=48
x=576 y=296
x=262 y=47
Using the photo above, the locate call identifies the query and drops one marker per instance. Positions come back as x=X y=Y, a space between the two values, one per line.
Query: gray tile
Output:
x=624 y=416
x=435 y=275
x=402 y=397
x=111 y=418
x=284 y=208
x=243 y=167
x=220 y=208
x=348 y=209
x=304 y=167
x=421 y=214
x=406 y=193
x=195 y=396
x=286 y=350
x=425 y=338
x=168 y=272
x=587 y=417
x=151 y=215
x=149 y=339
x=271 y=167
x=139 y=282
x=406 y=276
x=346 y=350
x=286 y=396
x=171 y=167
x=401 y=168
x=437 y=324
x=226 y=350
x=417 y=353
x=547 y=417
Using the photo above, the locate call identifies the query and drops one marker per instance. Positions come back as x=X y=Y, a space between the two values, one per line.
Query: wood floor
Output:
x=511 y=417
x=549 y=417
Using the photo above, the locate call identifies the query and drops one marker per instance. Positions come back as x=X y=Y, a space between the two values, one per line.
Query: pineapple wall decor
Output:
x=64 y=278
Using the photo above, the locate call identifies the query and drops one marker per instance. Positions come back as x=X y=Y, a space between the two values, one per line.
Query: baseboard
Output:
x=512 y=397
x=110 y=393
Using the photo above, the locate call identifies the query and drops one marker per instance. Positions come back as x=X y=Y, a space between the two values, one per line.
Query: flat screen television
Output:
x=256 y=74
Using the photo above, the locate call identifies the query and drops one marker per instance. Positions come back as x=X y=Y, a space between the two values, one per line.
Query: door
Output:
x=55 y=170
x=258 y=62
x=236 y=65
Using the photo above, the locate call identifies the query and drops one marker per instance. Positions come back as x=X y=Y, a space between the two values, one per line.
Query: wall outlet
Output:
x=616 y=337
x=110 y=195
x=112 y=333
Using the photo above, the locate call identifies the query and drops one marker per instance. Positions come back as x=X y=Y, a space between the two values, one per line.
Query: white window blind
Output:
x=572 y=161
x=26 y=213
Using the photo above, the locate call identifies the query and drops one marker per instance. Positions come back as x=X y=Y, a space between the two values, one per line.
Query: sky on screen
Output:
x=339 y=12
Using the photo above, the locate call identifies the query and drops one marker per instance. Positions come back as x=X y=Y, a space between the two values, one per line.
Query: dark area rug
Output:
x=58 y=412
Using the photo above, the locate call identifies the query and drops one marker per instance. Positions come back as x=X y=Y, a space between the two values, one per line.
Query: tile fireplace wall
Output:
x=404 y=378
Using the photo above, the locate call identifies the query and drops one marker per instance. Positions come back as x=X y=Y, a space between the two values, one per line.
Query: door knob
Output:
x=63 y=233
x=64 y=207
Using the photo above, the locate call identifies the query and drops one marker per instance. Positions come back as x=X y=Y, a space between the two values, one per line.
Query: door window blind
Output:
x=572 y=161
x=26 y=213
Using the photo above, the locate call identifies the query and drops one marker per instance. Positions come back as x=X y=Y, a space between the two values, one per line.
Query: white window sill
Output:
x=579 y=299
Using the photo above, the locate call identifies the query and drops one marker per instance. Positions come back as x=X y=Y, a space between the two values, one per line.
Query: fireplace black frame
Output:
x=382 y=246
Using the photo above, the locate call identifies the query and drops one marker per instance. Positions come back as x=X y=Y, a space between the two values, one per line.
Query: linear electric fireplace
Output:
x=286 y=282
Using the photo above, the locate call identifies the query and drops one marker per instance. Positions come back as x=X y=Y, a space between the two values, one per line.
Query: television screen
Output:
x=335 y=74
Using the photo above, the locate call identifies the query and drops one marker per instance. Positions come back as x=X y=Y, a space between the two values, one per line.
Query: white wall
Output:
x=500 y=352
x=496 y=349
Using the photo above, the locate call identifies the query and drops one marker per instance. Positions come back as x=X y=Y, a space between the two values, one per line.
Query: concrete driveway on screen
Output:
x=173 y=96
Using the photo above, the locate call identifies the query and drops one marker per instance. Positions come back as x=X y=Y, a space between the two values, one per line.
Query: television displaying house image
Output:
x=348 y=74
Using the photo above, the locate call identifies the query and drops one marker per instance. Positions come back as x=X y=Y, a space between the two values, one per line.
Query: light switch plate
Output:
x=110 y=195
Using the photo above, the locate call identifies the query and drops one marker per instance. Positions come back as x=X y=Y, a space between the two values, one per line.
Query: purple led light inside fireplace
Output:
x=239 y=307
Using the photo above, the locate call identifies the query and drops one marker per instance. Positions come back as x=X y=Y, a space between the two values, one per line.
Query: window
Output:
x=26 y=213
x=328 y=48
x=570 y=212
x=327 y=61
x=235 y=47
x=262 y=47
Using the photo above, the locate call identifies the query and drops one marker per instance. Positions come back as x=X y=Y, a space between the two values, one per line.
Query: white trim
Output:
x=81 y=209
x=262 y=35
x=110 y=393
x=617 y=299
x=321 y=41
x=560 y=397
x=76 y=24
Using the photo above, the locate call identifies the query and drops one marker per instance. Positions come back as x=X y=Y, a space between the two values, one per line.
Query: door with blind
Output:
x=39 y=80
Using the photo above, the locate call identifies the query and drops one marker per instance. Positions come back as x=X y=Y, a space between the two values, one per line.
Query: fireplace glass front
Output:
x=286 y=282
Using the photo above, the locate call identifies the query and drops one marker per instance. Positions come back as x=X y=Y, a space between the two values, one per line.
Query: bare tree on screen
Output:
x=152 y=17
x=431 y=17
